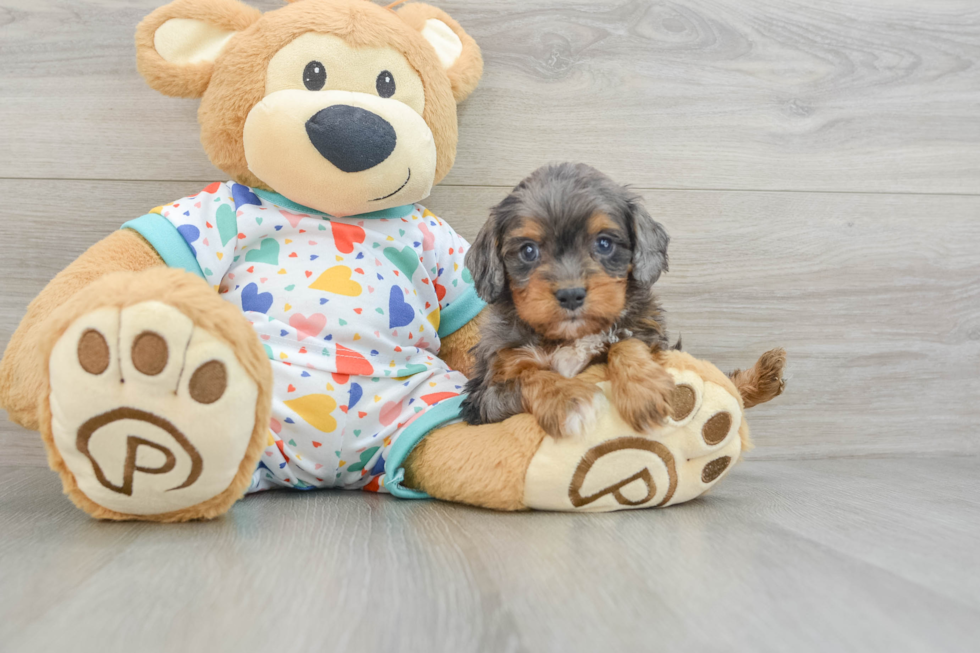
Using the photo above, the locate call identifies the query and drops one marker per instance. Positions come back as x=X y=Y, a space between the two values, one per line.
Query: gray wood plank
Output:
x=826 y=555
x=862 y=96
x=876 y=298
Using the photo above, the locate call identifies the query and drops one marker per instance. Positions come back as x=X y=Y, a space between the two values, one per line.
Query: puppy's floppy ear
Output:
x=484 y=262
x=457 y=51
x=177 y=44
x=650 y=249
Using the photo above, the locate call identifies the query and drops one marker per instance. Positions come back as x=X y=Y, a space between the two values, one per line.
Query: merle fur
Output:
x=563 y=197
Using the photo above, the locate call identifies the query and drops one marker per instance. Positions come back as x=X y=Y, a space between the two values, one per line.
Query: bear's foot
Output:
x=612 y=467
x=151 y=415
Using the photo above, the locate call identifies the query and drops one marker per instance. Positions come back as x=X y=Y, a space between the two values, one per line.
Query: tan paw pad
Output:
x=717 y=428
x=687 y=397
x=150 y=413
x=93 y=352
x=682 y=402
x=715 y=468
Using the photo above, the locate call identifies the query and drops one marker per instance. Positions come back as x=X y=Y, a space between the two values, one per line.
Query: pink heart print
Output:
x=293 y=218
x=390 y=412
x=307 y=327
x=428 y=238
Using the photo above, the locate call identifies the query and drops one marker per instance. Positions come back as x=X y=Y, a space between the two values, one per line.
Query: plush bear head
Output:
x=343 y=106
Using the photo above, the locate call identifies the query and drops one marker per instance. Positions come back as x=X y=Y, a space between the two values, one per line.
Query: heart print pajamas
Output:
x=349 y=310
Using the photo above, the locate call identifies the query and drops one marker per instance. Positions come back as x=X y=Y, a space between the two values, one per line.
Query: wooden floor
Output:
x=817 y=555
x=817 y=165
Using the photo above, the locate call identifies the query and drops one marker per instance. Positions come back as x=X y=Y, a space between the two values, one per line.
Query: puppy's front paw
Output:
x=565 y=408
x=581 y=415
x=644 y=402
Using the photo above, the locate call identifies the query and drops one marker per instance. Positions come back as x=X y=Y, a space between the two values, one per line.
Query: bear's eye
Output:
x=315 y=76
x=385 y=84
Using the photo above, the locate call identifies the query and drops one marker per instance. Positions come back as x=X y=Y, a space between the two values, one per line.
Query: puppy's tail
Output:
x=763 y=381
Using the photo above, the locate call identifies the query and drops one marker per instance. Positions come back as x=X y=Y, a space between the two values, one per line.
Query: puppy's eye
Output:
x=314 y=76
x=604 y=246
x=385 y=84
x=529 y=252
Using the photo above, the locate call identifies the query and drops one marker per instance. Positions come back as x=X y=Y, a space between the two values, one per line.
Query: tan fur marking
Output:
x=512 y=364
x=641 y=387
x=536 y=304
x=547 y=395
x=550 y=397
x=529 y=229
x=605 y=300
x=600 y=222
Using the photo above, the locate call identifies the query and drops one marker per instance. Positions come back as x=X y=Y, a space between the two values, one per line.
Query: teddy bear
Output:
x=307 y=324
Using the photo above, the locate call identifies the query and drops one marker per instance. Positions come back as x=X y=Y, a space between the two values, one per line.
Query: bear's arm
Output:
x=455 y=350
x=21 y=370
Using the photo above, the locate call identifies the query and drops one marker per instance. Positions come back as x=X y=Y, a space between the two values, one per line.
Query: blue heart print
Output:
x=400 y=313
x=379 y=466
x=253 y=300
x=190 y=233
x=355 y=395
x=244 y=195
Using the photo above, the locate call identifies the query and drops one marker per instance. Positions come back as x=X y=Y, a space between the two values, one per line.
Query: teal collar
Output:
x=393 y=213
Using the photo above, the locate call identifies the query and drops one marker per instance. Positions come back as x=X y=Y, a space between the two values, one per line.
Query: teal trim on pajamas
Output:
x=167 y=241
x=393 y=213
x=458 y=314
x=443 y=412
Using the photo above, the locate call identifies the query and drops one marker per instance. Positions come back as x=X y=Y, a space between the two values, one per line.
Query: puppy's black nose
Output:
x=570 y=298
x=351 y=138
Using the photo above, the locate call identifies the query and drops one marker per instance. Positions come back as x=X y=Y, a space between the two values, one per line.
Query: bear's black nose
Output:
x=571 y=298
x=351 y=138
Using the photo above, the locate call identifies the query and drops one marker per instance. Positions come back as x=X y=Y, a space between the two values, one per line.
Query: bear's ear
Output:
x=177 y=44
x=457 y=51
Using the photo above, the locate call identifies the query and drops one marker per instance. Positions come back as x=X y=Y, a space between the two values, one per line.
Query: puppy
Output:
x=567 y=262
